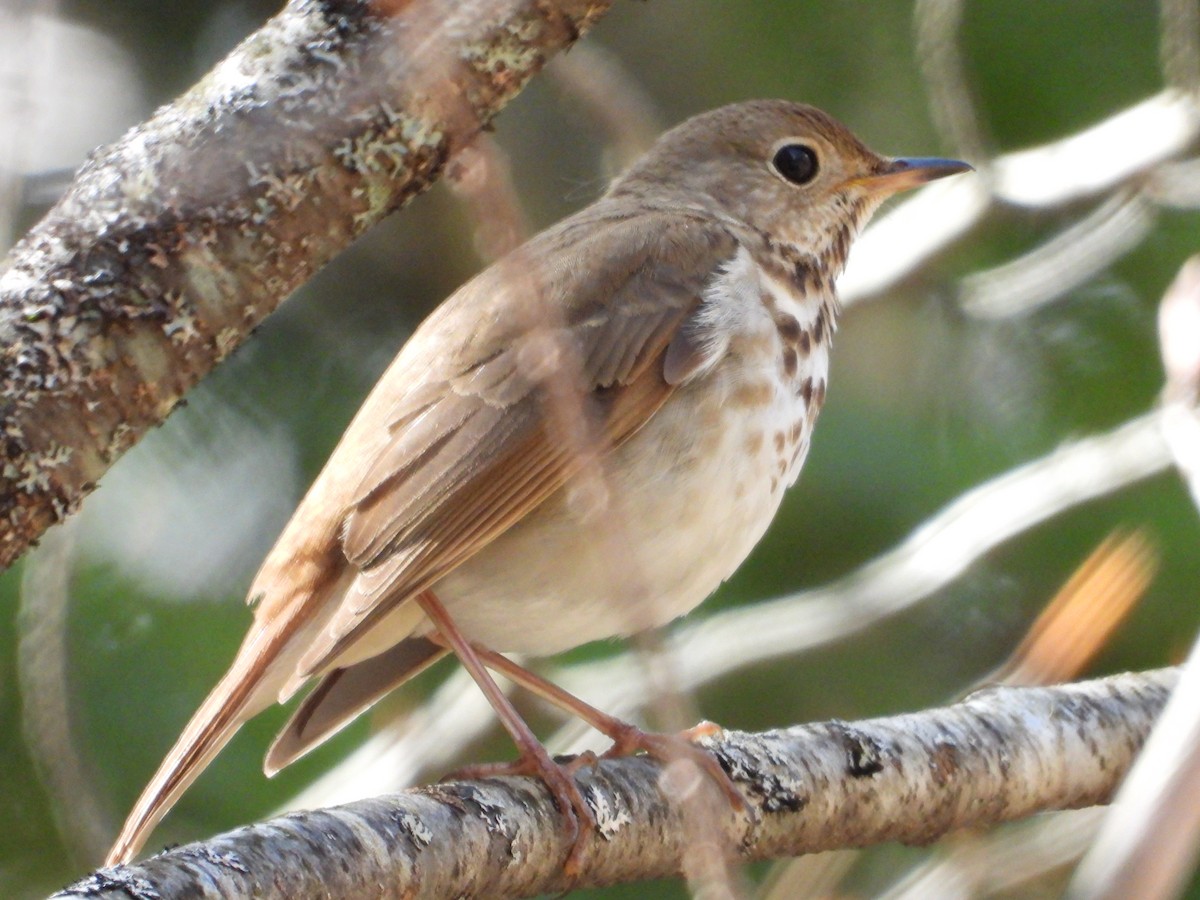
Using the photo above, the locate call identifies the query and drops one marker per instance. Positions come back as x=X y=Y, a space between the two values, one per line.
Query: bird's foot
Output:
x=669 y=748
x=558 y=777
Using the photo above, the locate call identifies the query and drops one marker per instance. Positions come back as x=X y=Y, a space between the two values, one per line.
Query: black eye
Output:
x=796 y=163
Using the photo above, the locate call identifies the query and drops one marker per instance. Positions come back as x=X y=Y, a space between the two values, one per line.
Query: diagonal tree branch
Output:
x=174 y=243
x=1000 y=754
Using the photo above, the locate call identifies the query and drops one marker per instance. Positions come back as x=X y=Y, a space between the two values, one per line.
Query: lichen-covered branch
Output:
x=174 y=242
x=999 y=755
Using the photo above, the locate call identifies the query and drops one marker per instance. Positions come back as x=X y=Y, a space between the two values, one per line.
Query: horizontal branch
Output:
x=172 y=244
x=1000 y=754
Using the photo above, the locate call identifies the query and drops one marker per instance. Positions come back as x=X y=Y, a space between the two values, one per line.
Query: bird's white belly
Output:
x=682 y=504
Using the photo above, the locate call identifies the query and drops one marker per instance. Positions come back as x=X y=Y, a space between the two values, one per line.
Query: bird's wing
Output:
x=452 y=447
x=561 y=361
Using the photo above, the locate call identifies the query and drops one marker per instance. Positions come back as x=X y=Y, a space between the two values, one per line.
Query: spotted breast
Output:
x=691 y=493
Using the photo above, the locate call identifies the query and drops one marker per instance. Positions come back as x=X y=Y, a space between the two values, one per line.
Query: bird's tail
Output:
x=246 y=689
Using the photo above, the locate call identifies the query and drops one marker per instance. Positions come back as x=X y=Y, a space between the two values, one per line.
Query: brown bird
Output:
x=583 y=441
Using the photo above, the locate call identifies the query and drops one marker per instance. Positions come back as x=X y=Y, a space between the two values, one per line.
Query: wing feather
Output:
x=484 y=449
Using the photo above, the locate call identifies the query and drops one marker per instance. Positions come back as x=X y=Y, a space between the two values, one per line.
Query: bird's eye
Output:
x=796 y=162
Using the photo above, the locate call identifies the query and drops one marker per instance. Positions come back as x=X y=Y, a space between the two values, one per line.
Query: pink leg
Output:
x=627 y=739
x=534 y=759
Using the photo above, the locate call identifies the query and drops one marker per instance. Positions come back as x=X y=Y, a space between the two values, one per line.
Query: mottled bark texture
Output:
x=174 y=242
x=1000 y=754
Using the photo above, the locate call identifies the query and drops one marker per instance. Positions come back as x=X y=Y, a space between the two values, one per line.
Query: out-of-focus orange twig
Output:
x=1083 y=615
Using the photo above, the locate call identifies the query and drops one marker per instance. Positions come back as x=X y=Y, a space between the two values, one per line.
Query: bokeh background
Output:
x=927 y=400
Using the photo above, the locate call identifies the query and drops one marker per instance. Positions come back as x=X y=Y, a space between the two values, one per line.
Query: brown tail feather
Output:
x=245 y=690
x=345 y=693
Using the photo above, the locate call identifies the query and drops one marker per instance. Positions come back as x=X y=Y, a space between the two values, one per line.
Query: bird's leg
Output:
x=627 y=739
x=534 y=760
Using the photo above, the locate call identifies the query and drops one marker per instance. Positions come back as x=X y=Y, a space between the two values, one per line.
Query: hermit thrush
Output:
x=583 y=441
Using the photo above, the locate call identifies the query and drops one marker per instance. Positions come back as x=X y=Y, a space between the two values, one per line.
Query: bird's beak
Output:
x=905 y=173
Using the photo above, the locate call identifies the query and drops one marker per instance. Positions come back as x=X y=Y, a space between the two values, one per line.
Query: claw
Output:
x=580 y=823
x=670 y=747
x=700 y=730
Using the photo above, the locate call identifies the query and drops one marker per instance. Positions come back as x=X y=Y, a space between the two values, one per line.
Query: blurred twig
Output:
x=1179 y=44
x=1102 y=157
x=1000 y=754
x=939 y=52
x=482 y=178
x=1174 y=185
x=1179 y=341
x=1062 y=263
x=1124 y=148
x=1081 y=618
x=611 y=96
x=1151 y=839
x=46 y=715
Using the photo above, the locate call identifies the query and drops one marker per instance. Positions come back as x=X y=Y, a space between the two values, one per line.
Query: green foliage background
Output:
x=924 y=403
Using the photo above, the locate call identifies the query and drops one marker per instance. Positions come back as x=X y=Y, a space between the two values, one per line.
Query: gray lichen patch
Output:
x=509 y=55
x=417 y=831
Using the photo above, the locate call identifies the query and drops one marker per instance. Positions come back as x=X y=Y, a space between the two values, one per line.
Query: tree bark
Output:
x=172 y=244
x=1000 y=754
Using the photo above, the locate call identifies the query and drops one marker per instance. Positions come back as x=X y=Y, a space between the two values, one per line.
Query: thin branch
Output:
x=596 y=80
x=938 y=25
x=1062 y=263
x=174 y=243
x=1179 y=44
x=999 y=755
x=47 y=717
x=1153 y=131
x=481 y=178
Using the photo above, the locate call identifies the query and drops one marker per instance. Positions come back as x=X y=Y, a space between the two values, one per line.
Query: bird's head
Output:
x=786 y=169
